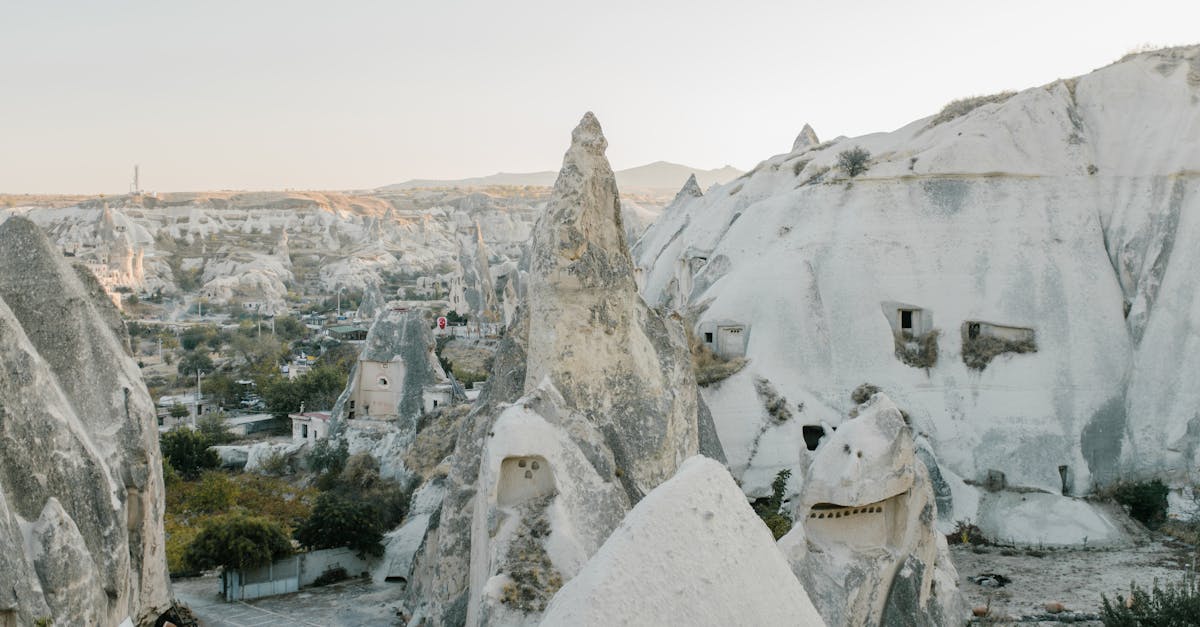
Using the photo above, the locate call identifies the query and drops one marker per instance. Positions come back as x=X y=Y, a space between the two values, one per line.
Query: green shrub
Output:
x=187 y=451
x=854 y=161
x=920 y=351
x=213 y=428
x=237 y=541
x=337 y=521
x=770 y=509
x=965 y=532
x=1147 y=501
x=327 y=457
x=333 y=575
x=277 y=464
x=1176 y=605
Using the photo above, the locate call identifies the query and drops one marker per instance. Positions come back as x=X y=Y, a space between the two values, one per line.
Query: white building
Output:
x=310 y=426
x=435 y=396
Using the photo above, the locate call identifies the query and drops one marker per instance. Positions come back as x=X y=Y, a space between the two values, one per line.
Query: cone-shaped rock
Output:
x=590 y=333
x=690 y=189
x=806 y=139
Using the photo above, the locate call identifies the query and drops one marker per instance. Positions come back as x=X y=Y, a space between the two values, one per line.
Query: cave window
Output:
x=708 y=338
x=435 y=403
x=304 y=431
x=906 y=320
x=1064 y=472
x=812 y=436
x=383 y=382
x=973 y=330
x=351 y=416
x=351 y=404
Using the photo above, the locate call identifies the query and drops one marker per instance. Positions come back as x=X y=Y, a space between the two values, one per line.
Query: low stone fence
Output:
x=289 y=574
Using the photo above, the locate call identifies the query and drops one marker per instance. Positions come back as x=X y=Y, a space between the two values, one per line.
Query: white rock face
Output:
x=591 y=404
x=1050 y=211
x=865 y=542
x=806 y=139
x=691 y=553
x=254 y=246
x=592 y=336
x=81 y=489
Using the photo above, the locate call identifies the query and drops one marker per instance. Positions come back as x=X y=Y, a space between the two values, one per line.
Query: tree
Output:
x=214 y=430
x=289 y=328
x=193 y=361
x=222 y=389
x=854 y=161
x=178 y=410
x=187 y=451
x=337 y=521
x=237 y=541
x=328 y=459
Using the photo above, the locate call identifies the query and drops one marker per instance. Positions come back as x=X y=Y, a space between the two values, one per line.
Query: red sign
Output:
x=442 y=322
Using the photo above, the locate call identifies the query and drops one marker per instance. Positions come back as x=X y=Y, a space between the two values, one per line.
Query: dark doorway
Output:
x=812 y=436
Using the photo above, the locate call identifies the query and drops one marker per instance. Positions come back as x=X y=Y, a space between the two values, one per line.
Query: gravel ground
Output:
x=347 y=603
x=1075 y=577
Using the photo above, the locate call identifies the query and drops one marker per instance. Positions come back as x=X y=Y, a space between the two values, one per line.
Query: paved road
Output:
x=350 y=603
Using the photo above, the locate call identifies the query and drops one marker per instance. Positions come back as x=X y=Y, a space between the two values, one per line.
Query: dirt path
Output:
x=1076 y=577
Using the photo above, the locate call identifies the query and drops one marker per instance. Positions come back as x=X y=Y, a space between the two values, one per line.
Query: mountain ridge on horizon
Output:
x=662 y=175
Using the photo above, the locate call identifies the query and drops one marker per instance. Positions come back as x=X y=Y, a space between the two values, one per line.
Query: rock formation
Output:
x=806 y=139
x=81 y=489
x=1038 y=250
x=478 y=289
x=865 y=542
x=380 y=409
x=691 y=553
x=591 y=404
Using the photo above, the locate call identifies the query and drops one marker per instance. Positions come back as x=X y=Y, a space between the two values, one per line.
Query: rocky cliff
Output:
x=591 y=404
x=81 y=489
x=1018 y=272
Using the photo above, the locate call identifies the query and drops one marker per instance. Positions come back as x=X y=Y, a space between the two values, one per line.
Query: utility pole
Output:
x=197 y=413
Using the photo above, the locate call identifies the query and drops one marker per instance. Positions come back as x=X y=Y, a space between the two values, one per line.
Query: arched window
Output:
x=383 y=382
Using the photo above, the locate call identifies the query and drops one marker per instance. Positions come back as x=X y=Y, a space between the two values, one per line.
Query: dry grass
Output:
x=963 y=106
x=977 y=353
x=533 y=580
x=708 y=367
x=774 y=402
x=920 y=351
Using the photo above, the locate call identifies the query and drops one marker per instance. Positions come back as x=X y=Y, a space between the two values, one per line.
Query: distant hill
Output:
x=660 y=175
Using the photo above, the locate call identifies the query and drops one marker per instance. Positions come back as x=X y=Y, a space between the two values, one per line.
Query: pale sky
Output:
x=272 y=94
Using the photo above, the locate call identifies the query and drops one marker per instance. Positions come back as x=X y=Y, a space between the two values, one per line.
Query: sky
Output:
x=291 y=94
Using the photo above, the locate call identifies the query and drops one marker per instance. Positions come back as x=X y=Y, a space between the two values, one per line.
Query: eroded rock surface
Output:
x=865 y=542
x=81 y=491
x=591 y=404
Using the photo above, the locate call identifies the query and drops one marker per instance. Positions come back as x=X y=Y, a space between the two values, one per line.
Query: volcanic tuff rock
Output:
x=865 y=542
x=691 y=553
x=591 y=404
x=397 y=362
x=81 y=490
x=255 y=246
x=806 y=139
x=1063 y=220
